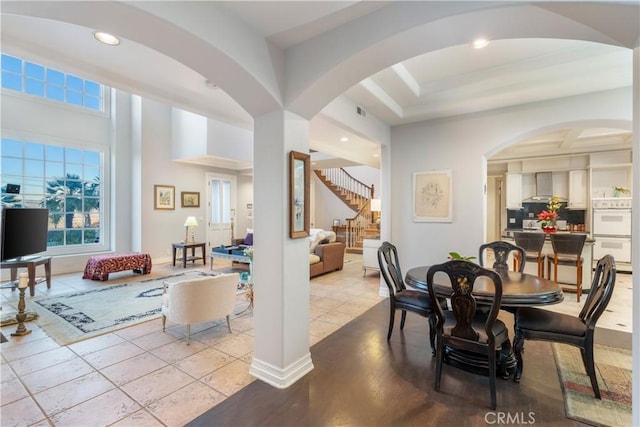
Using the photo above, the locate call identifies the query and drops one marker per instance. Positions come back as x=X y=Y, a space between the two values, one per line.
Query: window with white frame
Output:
x=66 y=180
x=38 y=80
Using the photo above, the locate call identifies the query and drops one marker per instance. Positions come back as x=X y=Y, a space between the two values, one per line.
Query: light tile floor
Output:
x=140 y=376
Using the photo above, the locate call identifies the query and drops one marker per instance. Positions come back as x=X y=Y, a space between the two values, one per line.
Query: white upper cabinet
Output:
x=514 y=191
x=560 y=187
x=577 y=189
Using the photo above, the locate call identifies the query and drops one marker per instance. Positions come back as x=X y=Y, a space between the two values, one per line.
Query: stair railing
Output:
x=358 y=192
x=357 y=225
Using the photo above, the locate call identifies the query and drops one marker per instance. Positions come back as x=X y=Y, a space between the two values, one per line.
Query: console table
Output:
x=192 y=257
x=31 y=265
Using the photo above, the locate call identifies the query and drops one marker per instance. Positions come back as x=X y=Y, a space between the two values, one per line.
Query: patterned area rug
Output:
x=613 y=371
x=76 y=316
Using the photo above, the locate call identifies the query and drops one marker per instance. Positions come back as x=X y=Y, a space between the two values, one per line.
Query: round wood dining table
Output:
x=518 y=290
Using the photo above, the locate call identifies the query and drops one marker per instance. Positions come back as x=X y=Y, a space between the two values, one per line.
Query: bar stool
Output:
x=532 y=243
x=567 y=250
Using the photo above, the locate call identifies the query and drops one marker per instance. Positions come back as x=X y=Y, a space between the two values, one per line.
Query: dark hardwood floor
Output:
x=359 y=379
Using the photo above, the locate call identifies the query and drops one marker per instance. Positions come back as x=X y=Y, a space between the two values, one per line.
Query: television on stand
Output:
x=24 y=233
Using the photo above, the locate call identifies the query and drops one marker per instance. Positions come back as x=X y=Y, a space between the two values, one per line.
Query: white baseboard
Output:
x=281 y=377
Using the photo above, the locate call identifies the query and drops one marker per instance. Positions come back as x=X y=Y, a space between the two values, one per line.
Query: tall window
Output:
x=34 y=79
x=66 y=180
x=220 y=202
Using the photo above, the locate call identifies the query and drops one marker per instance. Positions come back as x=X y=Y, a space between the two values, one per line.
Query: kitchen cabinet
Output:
x=604 y=178
x=370 y=255
x=577 y=189
x=514 y=191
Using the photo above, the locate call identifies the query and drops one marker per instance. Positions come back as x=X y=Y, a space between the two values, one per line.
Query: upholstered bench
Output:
x=98 y=267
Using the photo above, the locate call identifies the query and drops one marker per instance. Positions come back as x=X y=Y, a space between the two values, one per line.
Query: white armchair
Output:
x=199 y=300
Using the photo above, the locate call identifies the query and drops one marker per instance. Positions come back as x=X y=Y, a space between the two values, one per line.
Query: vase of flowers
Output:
x=547 y=218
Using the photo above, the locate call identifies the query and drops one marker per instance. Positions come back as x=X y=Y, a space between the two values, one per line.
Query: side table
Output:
x=192 y=257
x=31 y=265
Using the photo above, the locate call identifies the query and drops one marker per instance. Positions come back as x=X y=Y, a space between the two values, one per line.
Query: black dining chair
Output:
x=501 y=251
x=532 y=243
x=464 y=327
x=539 y=324
x=567 y=250
x=401 y=298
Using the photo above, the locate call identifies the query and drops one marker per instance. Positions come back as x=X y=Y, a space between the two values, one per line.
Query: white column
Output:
x=281 y=265
x=635 y=238
x=385 y=214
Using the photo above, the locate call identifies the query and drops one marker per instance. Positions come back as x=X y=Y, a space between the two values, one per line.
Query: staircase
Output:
x=357 y=196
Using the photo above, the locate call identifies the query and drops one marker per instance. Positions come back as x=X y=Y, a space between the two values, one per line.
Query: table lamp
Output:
x=190 y=222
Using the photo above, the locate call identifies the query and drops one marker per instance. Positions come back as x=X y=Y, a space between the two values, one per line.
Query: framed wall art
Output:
x=164 y=197
x=190 y=199
x=432 y=196
x=299 y=181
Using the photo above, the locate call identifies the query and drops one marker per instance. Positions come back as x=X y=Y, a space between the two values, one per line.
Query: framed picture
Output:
x=190 y=199
x=299 y=181
x=432 y=196
x=164 y=197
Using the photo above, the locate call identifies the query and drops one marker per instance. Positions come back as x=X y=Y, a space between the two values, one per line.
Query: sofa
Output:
x=326 y=254
x=326 y=257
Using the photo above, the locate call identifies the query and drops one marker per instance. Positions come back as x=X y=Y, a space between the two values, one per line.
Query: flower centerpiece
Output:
x=547 y=218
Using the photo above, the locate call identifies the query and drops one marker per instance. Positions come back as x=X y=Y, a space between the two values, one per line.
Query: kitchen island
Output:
x=566 y=274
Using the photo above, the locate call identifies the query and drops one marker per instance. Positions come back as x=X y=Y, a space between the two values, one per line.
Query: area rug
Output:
x=8 y=319
x=613 y=371
x=76 y=316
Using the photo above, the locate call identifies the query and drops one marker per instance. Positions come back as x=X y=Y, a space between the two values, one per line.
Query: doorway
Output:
x=495 y=205
x=221 y=208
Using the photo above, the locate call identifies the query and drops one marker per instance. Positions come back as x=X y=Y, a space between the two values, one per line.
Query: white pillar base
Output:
x=281 y=378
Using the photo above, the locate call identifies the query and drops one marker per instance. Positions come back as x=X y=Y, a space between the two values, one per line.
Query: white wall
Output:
x=137 y=137
x=462 y=145
x=327 y=206
x=244 y=196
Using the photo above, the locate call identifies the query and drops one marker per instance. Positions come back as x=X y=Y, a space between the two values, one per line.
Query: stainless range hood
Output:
x=544 y=189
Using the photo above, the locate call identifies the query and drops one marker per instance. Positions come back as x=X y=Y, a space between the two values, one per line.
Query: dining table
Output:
x=518 y=290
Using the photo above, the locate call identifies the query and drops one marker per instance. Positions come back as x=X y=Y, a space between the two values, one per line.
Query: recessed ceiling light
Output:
x=480 y=43
x=344 y=139
x=375 y=155
x=106 y=38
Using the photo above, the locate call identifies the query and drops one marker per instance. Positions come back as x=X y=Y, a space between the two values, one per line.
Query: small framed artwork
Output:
x=164 y=197
x=190 y=199
x=432 y=196
x=299 y=182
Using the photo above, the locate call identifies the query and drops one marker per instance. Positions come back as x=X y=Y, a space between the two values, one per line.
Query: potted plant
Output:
x=547 y=218
x=456 y=255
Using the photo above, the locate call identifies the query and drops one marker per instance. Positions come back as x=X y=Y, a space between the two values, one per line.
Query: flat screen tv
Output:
x=24 y=232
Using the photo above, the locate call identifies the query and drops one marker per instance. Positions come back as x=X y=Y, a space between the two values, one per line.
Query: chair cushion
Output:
x=535 y=319
x=313 y=259
x=500 y=331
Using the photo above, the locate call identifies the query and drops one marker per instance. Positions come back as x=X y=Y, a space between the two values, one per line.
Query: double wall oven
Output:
x=612 y=230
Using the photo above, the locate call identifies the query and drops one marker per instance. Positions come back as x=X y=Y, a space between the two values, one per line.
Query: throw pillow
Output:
x=314 y=240
x=324 y=241
x=248 y=239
